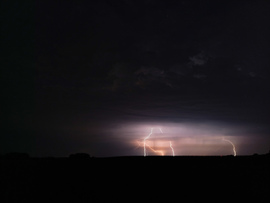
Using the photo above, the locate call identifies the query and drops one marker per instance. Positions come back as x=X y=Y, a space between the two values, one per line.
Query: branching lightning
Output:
x=234 y=150
x=152 y=149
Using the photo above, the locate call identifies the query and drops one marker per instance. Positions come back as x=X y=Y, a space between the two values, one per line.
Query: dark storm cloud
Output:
x=110 y=54
x=106 y=68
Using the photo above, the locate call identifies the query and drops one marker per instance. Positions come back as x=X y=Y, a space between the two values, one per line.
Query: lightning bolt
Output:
x=172 y=148
x=147 y=145
x=144 y=144
x=234 y=150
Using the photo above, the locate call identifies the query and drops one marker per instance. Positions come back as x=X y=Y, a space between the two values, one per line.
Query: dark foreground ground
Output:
x=136 y=179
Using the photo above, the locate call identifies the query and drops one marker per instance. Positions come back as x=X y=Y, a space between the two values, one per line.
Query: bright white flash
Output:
x=234 y=150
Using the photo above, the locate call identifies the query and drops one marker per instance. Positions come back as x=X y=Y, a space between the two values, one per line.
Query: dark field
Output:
x=136 y=179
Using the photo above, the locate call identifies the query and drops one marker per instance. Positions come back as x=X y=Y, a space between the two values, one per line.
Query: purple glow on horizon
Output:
x=203 y=139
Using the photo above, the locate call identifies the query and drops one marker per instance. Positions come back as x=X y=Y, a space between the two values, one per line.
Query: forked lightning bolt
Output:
x=156 y=151
x=144 y=144
x=234 y=150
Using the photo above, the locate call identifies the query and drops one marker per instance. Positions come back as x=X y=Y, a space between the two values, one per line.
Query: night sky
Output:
x=96 y=76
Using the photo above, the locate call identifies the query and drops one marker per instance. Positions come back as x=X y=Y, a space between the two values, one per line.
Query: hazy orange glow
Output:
x=151 y=148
